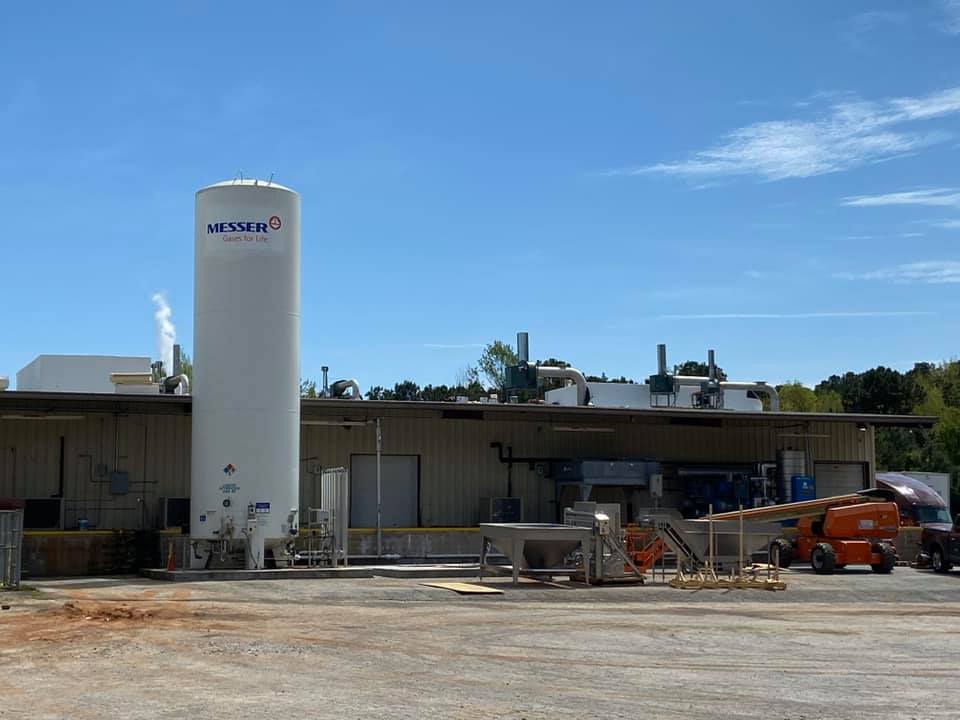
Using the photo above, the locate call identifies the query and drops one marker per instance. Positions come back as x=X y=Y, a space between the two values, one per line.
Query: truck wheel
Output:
x=823 y=559
x=786 y=552
x=888 y=558
x=938 y=560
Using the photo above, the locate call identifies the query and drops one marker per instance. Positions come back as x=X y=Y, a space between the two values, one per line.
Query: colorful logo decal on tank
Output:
x=230 y=469
x=274 y=222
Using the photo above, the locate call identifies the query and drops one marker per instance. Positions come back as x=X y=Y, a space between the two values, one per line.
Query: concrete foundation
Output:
x=63 y=554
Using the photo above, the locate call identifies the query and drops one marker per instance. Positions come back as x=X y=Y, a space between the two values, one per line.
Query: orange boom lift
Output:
x=845 y=535
x=855 y=529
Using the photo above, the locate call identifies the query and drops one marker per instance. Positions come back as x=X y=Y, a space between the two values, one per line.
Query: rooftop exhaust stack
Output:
x=325 y=391
x=246 y=408
x=177 y=360
x=661 y=359
x=523 y=347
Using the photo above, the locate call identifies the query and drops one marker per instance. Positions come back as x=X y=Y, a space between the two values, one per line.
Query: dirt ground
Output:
x=855 y=645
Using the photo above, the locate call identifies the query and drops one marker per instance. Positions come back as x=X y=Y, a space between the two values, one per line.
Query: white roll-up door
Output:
x=838 y=478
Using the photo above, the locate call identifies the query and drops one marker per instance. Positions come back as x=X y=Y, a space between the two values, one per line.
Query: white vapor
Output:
x=796 y=316
x=931 y=272
x=850 y=133
x=932 y=197
x=165 y=330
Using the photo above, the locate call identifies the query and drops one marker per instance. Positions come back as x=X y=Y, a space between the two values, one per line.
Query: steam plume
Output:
x=166 y=332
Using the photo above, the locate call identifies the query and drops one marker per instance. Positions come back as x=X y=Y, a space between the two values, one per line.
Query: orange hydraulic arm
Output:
x=806 y=508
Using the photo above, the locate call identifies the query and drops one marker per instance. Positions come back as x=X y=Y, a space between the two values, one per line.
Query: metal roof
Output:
x=58 y=402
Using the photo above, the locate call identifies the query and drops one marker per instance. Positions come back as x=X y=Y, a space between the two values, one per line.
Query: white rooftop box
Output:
x=77 y=373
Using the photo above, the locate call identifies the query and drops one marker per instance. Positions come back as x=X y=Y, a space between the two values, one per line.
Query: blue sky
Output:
x=778 y=181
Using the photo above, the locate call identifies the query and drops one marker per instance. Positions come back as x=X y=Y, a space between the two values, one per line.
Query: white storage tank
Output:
x=246 y=382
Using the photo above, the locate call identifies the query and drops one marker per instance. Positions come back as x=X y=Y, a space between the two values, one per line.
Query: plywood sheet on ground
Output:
x=462 y=588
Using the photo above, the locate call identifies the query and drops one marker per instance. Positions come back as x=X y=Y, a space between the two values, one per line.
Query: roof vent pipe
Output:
x=340 y=387
x=325 y=390
x=567 y=373
x=177 y=359
x=711 y=367
x=523 y=347
x=177 y=382
x=757 y=387
x=661 y=359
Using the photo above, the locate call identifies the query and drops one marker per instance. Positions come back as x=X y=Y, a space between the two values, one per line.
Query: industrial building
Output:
x=105 y=462
x=118 y=449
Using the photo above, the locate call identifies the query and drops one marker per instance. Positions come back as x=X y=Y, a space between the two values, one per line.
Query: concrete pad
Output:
x=354 y=571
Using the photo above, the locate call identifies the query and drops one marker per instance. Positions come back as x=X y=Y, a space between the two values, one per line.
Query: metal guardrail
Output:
x=11 y=547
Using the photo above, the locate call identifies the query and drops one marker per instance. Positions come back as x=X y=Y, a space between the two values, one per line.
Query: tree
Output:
x=493 y=363
x=308 y=388
x=879 y=390
x=828 y=401
x=186 y=366
x=698 y=369
x=467 y=376
x=947 y=435
x=794 y=397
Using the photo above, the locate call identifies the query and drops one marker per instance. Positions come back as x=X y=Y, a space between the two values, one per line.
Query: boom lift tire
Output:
x=786 y=552
x=888 y=559
x=823 y=559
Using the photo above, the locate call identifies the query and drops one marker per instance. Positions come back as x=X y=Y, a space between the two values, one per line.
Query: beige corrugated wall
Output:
x=457 y=465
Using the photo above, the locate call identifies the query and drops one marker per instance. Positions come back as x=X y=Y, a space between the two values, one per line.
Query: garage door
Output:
x=838 y=478
x=400 y=490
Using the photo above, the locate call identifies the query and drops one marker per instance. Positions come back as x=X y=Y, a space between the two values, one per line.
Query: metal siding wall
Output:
x=90 y=443
x=457 y=465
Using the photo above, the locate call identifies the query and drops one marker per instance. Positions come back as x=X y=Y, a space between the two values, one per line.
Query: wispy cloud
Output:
x=799 y=316
x=452 y=346
x=948 y=224
x=851 y=132
x=934 y=197
x=951 y=17
x=911 y=234
x=873 y=18
x=931 y=272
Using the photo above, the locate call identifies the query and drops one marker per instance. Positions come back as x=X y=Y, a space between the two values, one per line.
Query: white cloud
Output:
x=948 y=224
x=931 y=272
x=935 y=197
x=452 y=346
x=951 y=17
x=798 y=316
x=867 y=21
x=911 y=235
x=849 y=133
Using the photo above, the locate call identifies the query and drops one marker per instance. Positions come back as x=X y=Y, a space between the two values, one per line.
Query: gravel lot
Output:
x=855 y=645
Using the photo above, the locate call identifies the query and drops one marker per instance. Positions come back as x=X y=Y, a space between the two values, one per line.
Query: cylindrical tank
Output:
x=789 y=464
x=246 y=344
